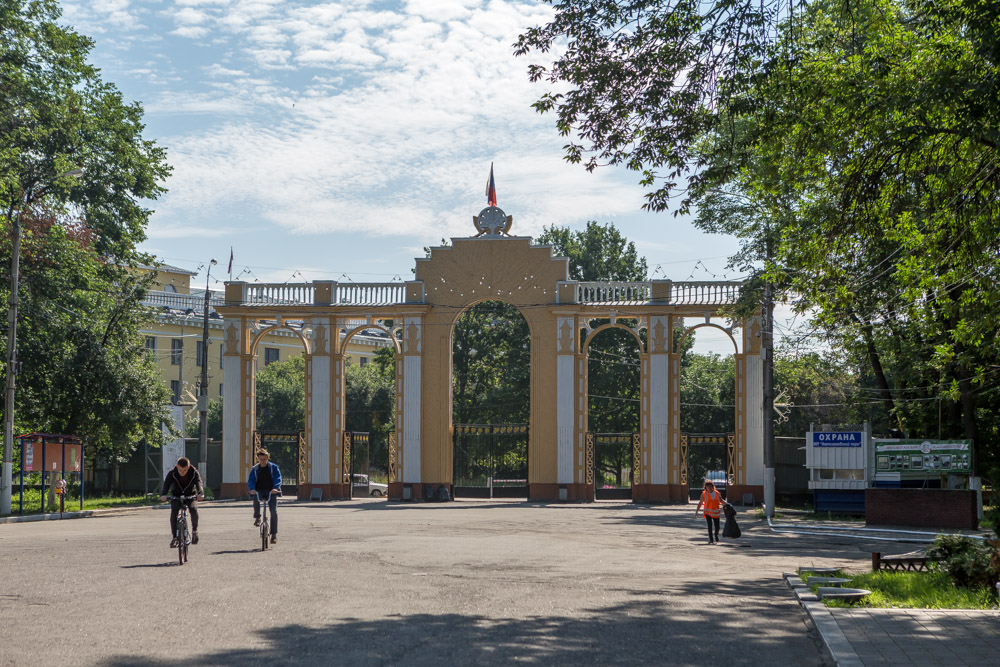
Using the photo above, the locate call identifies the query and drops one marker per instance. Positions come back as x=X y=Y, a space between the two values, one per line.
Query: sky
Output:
x=335 y=140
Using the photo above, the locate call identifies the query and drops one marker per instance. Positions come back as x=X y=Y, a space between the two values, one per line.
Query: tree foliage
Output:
x=852 y=146
x=83 y=366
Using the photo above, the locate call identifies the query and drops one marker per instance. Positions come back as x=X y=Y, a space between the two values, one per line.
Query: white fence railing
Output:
x=369 y=294
x=277 y=294
x=708 y=293
x=613 y=292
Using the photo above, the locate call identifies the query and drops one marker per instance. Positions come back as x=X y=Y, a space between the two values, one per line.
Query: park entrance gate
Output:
x=491 y=461
x=417 y=318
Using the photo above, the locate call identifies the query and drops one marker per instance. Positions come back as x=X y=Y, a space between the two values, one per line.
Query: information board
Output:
x=924 y=456
x=54 y=460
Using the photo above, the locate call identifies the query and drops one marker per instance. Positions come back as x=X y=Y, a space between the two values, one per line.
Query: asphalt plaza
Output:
x=374 y=582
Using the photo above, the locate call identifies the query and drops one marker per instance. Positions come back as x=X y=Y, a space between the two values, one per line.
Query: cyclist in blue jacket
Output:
x=265 y=479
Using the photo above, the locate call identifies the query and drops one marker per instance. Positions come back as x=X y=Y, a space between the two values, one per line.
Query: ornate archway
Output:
x=493 y=265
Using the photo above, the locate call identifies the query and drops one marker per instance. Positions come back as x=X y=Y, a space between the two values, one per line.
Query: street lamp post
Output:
x=7 y=475
x=203 y=390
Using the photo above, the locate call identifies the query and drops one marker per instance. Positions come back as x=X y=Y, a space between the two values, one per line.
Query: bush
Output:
x=970 y=563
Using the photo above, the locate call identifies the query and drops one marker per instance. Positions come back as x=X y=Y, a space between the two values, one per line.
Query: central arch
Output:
x=491 y=366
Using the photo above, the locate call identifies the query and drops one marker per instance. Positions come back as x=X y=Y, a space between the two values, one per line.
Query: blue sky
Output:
x=333 y=140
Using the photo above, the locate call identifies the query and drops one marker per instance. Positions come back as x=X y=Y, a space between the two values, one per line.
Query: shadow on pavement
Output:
x=643 y=631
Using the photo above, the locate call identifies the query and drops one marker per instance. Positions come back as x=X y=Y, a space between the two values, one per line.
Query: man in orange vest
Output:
x=712 y=502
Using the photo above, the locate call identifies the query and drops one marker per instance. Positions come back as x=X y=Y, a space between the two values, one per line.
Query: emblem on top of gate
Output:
x=492 y=221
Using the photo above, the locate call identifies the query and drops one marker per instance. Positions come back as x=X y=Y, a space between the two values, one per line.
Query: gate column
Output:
x=571 y=473
x=408 y=410
x=748 y=450
x=662 y=392
x=238 y=397
x=318 y=409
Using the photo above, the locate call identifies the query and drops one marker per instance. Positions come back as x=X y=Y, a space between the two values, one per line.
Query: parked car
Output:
x=717 y=477
x=364 y=486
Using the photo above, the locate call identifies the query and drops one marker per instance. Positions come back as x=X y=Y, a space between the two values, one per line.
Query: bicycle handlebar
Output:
x=195 y=497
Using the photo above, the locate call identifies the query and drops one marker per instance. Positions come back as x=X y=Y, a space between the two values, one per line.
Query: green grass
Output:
x=33 y=502
x=913 y=590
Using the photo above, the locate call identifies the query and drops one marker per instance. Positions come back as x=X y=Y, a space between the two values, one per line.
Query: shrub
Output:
x=970 y=563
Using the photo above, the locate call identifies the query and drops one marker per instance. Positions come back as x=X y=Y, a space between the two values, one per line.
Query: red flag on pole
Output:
x=491 y=189
x=230 y=261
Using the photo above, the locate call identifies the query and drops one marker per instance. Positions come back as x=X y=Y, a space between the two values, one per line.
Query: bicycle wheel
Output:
x=181 y=538
x=263 y=533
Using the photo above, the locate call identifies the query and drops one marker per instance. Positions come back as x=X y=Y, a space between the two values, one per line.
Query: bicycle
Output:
x=264 y=523
x=183 y=535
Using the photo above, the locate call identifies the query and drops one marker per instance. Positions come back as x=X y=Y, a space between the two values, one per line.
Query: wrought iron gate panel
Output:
x=618 y=455
x=345 y=458
x=287 y=450
x=393 y=476
x=491 y=460
x=704 y=453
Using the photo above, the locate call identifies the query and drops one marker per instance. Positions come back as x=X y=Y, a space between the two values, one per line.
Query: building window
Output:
x=364 y=361
x=220 y=390
x=199 y=353
x=175 y=389
x=151 y=345
x=176 y=351
x=222 y=355
x=271 y=355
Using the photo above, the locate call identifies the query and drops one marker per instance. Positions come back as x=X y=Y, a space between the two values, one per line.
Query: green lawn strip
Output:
x=912 y=590
x=33 y=502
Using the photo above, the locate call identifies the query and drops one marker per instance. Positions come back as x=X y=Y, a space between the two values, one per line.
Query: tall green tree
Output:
x=83 y=369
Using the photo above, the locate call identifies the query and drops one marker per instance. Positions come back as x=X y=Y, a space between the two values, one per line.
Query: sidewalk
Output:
x=865 y=637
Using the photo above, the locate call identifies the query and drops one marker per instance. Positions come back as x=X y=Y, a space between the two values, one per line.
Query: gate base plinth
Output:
x=660 y=493
x=735 y=493
x=306 y=491
x=233 y=490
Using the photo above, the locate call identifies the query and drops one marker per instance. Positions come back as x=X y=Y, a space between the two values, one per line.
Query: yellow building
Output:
x=175 y=337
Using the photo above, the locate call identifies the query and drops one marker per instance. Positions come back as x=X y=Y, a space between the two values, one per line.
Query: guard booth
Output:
x=839 y=465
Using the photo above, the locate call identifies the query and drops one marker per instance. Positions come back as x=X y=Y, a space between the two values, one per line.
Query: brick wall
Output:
x=921 y=508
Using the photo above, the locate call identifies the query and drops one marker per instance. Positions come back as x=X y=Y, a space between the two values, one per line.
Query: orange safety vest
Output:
x=712 y=503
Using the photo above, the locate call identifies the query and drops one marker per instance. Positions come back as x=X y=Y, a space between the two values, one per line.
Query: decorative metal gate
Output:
x=357 y=459
x=491 y=461
x=707 y=456
x=287 y=450
x=613 y=464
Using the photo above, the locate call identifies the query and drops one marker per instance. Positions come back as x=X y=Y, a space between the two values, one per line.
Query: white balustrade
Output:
x=632 y=293
x=369 y=294
x=274 y=294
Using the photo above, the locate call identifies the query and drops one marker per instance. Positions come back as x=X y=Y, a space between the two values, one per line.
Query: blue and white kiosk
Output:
x=839 y=459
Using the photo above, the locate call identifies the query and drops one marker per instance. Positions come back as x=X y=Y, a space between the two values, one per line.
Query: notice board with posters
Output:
x=917 y=458
x=54 y=459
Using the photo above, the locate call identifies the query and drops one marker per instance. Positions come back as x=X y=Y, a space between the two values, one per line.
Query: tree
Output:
x=84 y=369
x=281 y=396
x=851 y=145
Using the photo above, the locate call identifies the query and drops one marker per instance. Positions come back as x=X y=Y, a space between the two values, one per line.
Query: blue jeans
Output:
x=272 y=505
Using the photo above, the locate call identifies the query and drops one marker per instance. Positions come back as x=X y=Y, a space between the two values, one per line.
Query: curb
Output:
x=83 y=514
x=839 y=649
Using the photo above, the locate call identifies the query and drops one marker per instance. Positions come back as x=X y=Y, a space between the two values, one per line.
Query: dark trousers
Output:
x=710 y=520
x=272 y=504
x=175 y=507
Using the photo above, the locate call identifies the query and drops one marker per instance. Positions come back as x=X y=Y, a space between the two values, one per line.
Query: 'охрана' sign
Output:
x=837 y=438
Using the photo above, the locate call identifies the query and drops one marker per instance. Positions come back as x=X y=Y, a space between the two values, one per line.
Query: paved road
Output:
x=372 y=582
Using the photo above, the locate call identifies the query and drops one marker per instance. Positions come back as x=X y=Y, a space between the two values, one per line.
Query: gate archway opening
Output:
x=708 y=407
x=614 y=362
x=490 y=402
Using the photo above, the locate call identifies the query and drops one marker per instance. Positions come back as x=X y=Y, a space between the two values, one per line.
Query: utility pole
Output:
x=767 y=359
x=8 y=421
x=203 y=389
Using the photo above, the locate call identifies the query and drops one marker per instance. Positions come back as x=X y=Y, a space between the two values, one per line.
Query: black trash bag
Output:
x=442 y=494
x=428 y=492
x=731 y=529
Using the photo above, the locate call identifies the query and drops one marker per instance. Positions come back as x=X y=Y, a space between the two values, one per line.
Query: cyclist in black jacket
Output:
x=183 y=480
